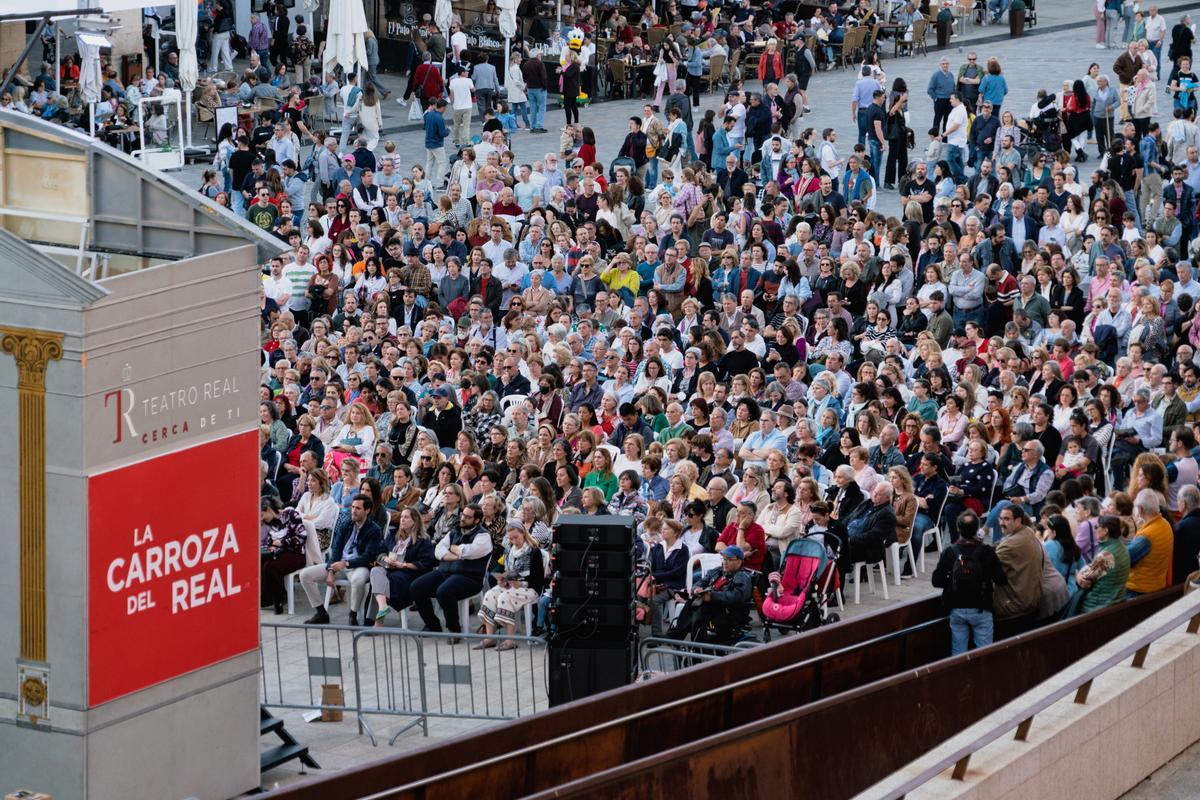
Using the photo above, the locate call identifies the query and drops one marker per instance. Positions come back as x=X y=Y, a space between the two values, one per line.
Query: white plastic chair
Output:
x=512 y=400
x=935 y=532
x=897 y=552
x=705 y=561
x=612 y=449
x=870 y=567
x=312 y=557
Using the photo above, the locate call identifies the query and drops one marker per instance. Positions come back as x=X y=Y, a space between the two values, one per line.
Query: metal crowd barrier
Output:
x=659 y=656
x=400 y=673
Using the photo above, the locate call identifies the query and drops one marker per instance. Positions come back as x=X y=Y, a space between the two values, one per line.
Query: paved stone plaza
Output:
x=1044 y=58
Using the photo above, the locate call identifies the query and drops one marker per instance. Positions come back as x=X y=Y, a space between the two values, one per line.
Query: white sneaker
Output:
x=1100 y=46
x=400 y=100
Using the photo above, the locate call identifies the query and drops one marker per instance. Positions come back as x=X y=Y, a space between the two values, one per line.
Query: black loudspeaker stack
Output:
x=594 y=647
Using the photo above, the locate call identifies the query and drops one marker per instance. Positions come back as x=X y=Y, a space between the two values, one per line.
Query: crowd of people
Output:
x=716 y=332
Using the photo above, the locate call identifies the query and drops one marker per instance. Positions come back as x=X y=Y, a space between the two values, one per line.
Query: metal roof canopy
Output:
x=130 y=210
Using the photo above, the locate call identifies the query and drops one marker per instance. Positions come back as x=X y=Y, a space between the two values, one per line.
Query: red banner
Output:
x=172 y=565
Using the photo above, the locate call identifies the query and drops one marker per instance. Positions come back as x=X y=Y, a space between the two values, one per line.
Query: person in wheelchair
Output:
x=718 y=610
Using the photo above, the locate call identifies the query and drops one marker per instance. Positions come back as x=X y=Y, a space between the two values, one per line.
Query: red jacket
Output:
x=776 y=61
x=427 y=82
x=756 y=537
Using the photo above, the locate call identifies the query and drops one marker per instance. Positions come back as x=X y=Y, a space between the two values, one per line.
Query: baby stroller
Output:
x=800 y=593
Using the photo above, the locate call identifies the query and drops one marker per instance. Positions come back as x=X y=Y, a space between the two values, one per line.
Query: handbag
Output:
x=414 y=111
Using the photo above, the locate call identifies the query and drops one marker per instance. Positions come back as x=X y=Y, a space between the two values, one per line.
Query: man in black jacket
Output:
x=463 y=556
x=280 y=25
x=357 y=542
x=634 y=146
x=732 y=178
x=983 y=140
x=966 y=572
x=511 y=380
x=871 y=527
x=442 y=416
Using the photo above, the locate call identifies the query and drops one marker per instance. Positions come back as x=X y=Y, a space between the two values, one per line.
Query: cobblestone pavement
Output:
x=1045 y=57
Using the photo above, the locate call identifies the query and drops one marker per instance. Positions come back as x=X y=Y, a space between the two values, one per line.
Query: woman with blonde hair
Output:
x=904 y=502
x=751 y=489
x=633 y=450
x=520 y=585
x=678 y=494
x=356 y=438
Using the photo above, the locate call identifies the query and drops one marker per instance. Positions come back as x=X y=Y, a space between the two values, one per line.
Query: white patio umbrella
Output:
x=508 y=27
x=442 y=13
x=90 y=78
x=344 y=44
x=442 y=16
x=185 y=38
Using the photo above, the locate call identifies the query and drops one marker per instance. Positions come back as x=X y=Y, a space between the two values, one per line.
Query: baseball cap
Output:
x=733 y=551
x=442 y=391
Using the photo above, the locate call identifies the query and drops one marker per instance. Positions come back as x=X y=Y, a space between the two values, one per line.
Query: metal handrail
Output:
x=1023 y=718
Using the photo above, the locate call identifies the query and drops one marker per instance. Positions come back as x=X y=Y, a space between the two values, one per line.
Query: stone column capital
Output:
x=33 y=350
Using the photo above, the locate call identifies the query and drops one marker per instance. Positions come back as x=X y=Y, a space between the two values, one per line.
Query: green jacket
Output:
x=1110 y=589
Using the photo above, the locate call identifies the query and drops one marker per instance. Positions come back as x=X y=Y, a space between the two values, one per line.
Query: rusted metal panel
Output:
x=573 y=719
x=836 y=751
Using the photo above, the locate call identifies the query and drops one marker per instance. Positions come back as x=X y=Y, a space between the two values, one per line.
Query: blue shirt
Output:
x=993 y=89
x=864 y=91
x=435 y=129
x=941 y=85
x=1148 y=426
x=758 y=440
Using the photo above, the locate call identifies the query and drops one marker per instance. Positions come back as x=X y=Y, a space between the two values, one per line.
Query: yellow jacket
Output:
x=1153 y=572
x=613 y=279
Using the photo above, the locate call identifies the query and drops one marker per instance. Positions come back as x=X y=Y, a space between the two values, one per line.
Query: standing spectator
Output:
x=435 y=142
x=280 y=25
x=1104 y=102
x=259 y=38
x=536 y=82
x=425 y=82
x=1156 y=32
x=372 y=46
x=351 y=105
x=302 y=52
x=570 y=76
x=1021 y=555
x=875 y=117
x=966 y=573
x=222 y=31
x=487 y=84
x=955 y=137
x=941 y=86
x=461 y=104
x=860 y=99
x=896 y=133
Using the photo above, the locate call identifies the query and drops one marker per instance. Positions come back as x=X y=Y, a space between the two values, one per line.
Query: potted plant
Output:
x=1016 y=18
